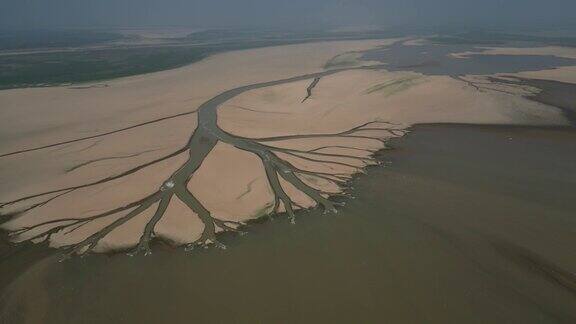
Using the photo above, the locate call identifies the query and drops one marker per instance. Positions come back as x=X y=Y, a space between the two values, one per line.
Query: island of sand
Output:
x=179 y=156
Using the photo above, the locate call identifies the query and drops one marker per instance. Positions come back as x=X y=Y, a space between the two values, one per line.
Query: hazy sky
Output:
x=279 y=13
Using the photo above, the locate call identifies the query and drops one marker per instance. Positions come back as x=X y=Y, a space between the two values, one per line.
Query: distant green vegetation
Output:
x=84 y=64
x=226 y=35
x=48 y=69
x=112 y=61
x=25 y=39
x=73 y=67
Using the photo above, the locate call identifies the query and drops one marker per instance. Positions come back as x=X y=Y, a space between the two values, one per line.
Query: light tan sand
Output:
x=91 y=160
x=230 y=183
x=243 y=195
x=354 y=97
x=81 y=112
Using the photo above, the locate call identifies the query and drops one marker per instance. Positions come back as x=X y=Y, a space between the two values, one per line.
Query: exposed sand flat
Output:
x=79 y=112
x=93 y=200
x=243 y=195
x=355 y=97
x=93 y=159
x=277 y=147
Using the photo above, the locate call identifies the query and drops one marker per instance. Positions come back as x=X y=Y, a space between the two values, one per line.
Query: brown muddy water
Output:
x=464 y=224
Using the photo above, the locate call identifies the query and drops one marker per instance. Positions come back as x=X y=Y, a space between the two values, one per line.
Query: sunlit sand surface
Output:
x=185 y=154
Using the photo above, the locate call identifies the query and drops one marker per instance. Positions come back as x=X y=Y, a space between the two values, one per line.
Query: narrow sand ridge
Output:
x=256 y=148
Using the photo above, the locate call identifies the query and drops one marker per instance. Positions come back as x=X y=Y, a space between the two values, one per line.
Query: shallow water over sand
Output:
x=433 y=59
x=465 y=224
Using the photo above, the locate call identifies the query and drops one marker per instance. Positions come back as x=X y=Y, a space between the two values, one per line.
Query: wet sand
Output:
x=554 y=93
x=465 y=224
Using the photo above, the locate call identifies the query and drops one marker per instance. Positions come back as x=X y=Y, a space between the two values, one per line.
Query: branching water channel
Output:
x=200 y=144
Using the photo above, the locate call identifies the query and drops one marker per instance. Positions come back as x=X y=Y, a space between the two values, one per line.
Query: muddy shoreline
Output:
x=561 y=95
x=463 y=222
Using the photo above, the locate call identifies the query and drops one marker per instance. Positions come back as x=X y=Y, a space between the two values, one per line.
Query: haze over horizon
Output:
x=37 y=14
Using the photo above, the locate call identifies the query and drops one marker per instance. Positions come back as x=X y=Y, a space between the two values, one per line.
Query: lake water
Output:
x=464 y=224
x=433 y=59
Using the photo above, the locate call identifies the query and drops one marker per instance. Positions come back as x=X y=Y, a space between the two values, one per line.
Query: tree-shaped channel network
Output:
x=202 y=141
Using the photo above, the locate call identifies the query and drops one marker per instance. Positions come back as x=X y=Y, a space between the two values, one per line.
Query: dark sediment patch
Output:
x=310 y=88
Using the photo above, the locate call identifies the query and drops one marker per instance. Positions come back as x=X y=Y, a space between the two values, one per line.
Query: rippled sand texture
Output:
x=112 y=168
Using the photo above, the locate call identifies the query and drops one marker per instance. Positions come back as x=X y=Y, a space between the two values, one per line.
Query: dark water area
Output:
x=464 y=224
x=435 y=59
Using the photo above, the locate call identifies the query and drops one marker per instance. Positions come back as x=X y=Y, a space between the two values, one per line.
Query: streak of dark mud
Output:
x=127 y=156
x=97 y=135
x=310 y=88
x=538 y=265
